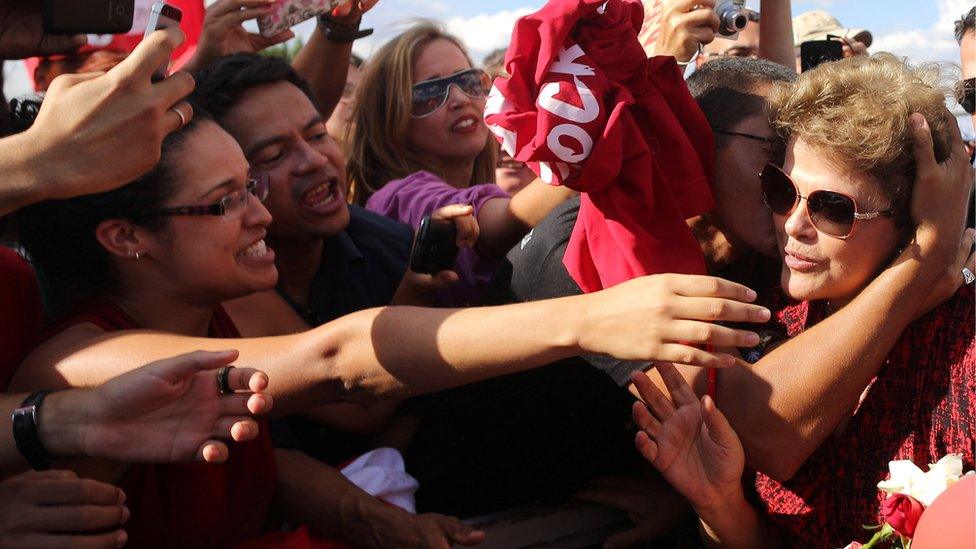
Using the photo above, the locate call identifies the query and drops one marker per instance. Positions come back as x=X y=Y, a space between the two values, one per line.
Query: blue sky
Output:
x=918 y=29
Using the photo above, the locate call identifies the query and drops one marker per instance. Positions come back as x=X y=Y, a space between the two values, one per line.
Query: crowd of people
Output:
x=721 y=304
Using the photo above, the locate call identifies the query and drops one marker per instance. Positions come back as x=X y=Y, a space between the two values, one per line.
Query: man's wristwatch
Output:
x=26 y=434
x=341 y=31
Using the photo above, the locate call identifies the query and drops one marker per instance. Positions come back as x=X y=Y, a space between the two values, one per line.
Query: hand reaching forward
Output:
x=690 y=442
x=166 y=411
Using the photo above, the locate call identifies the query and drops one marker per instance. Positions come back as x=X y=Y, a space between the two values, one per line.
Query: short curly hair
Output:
x=855 y=113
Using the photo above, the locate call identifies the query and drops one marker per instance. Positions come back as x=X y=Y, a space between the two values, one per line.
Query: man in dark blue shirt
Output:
x=333 y=259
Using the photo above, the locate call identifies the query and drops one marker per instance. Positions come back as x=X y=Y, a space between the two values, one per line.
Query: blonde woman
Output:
x=420 y=142
x=843 y=207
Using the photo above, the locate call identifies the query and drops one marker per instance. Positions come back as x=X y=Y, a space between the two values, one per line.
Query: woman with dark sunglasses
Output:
x=420 y=142
x=843 y=208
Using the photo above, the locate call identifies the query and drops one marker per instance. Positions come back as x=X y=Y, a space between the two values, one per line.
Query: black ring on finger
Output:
x=223 y=381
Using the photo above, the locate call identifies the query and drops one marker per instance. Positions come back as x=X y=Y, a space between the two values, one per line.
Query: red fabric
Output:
x=194 y=504
x=921 y=406
x=191 y=25
x=586 y=109
x=21 y=312
x=299 y=539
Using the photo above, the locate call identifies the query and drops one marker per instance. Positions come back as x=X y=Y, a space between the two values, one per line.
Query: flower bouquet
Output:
x=910 y=492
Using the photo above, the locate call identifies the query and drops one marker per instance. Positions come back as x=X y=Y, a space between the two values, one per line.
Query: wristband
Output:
x=693 y=57
x=341 y=31
x=26 y=434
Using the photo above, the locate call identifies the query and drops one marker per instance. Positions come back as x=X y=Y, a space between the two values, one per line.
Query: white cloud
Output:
x=483 y=33
x=936 y=43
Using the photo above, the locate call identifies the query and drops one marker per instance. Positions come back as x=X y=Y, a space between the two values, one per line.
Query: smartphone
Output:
x=815 y=52
x=87 y=16
x=435 y=248
x=285 y=14
x=162 y=16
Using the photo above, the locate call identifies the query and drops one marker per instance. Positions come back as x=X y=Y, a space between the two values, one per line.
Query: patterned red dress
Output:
x=921 y=406
x=194 y=504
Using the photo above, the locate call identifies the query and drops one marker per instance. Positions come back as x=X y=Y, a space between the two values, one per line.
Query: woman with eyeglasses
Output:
x=843 y=209
x=146 y=268
x=420 y=142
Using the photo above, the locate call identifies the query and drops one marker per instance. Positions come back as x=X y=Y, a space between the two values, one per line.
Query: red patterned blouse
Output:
x=921 y=406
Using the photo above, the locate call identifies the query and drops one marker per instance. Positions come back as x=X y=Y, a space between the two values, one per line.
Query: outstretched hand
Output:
x=689 y=441
x=667 y=316
x=170 y=410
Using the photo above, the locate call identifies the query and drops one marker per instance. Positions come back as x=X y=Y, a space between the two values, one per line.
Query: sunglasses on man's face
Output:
x=831 y=212
x=967 y=95
x=430 y=95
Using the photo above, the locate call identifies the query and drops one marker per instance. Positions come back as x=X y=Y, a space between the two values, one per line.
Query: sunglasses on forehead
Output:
x=831 y=212
x=430 y=95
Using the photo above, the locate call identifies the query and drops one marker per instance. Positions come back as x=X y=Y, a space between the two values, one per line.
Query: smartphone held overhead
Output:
x=162 y=16
x=87 y=16
x=815 y=52
x=285 y=14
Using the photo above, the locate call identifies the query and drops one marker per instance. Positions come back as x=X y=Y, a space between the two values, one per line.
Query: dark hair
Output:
x=19 y=115
x=966 y=23
x=728 y=89
x=221 y=84
x=59 y=235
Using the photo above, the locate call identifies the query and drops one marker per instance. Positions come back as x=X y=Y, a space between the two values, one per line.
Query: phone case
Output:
x=287 y=13
x=434 y=249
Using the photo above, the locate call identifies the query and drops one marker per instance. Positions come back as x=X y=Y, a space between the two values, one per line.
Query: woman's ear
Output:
x=121 y=238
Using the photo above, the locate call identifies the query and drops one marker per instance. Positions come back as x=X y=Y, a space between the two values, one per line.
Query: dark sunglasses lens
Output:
x=832 y=213
x=428 y=97
x=778 y=191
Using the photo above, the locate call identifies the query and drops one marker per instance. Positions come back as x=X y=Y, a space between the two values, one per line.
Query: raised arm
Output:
x=398 y=351
x=324 y=62
x=776 y=32
x=96 y=132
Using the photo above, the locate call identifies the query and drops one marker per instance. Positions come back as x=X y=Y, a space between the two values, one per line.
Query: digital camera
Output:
x=732 y=16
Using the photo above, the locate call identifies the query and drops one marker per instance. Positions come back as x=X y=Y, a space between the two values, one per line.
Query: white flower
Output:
x=908 y=479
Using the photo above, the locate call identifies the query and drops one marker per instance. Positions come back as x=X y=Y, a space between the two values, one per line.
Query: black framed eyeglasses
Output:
x=430 y=95
x=230 y=206
x=769 y=140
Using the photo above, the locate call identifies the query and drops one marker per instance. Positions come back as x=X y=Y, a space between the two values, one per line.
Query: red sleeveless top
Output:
x=194 y=504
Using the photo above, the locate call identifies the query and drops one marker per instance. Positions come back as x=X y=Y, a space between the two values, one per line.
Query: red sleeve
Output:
x=21 y=312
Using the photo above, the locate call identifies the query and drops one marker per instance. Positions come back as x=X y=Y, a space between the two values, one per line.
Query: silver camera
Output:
x=732 y=16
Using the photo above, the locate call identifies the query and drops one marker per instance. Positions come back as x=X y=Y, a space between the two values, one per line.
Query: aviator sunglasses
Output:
x=430 y=95
x=831 y=212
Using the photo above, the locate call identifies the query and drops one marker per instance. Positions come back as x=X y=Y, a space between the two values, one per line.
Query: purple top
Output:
x=409 y=199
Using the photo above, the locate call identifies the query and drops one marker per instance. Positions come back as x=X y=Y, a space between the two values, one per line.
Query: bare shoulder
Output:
x=264 y=314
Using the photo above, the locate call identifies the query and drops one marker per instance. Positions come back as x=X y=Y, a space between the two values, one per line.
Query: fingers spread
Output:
x=681 y=393
x=650 y=394
x=646 y=446
x=645 y=421
x=212 y=451
x=67 y=490
x=237 y=428
x=717 y=425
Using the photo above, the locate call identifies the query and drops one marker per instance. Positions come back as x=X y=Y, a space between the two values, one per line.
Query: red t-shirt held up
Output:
x=585 y=108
